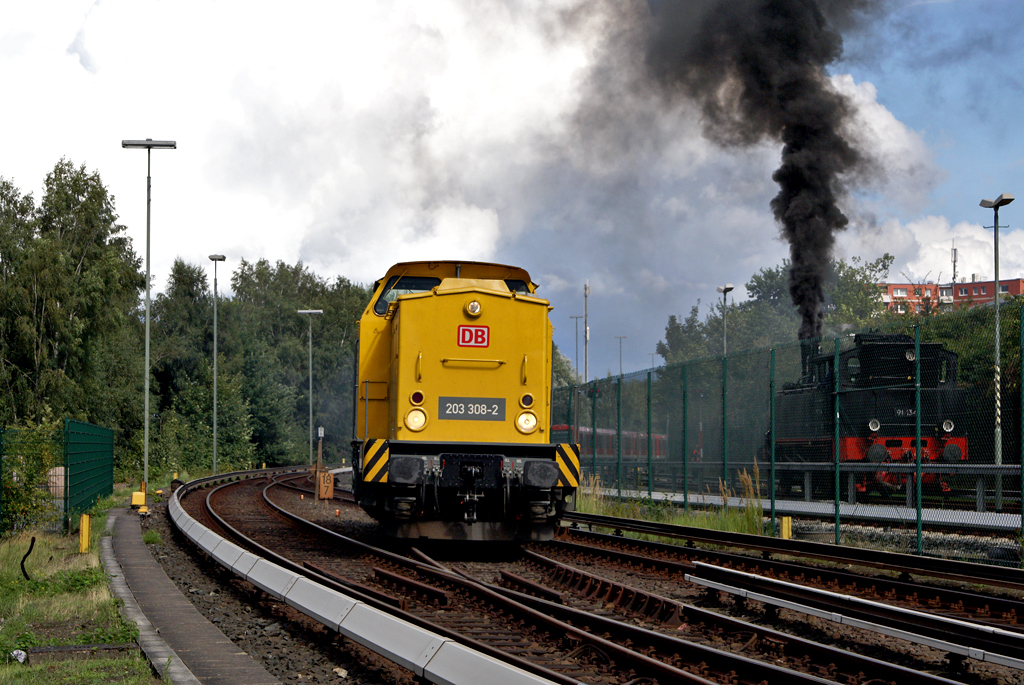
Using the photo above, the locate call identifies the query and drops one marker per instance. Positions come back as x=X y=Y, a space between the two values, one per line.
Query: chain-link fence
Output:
x=51 y=475
x=908 y=437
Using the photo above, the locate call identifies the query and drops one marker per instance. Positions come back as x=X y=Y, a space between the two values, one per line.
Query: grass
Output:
x=750 y=519
x=65 y=601
x=125 y=671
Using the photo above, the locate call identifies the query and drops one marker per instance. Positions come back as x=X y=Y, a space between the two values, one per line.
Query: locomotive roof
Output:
x=447 y=268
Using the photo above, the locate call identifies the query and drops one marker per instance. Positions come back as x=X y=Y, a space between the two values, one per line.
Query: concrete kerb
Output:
x=163 y=659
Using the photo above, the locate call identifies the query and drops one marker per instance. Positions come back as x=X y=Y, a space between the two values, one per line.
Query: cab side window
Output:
x=403 y=285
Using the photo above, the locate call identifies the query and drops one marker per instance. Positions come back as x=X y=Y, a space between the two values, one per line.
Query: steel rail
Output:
x=983 y=643
x=689 y=614
x=963 y=571
x=721 y=661
x=961 y=604
x=638 y=662
x=425 y=651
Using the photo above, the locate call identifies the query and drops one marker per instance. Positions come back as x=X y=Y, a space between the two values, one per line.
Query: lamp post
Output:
x=577 y=358
x=586 y=333
x=148 y=144
x=1004 y=199
x=725 y=290
x=311 y=312
x=215 y=258
x=621 y=338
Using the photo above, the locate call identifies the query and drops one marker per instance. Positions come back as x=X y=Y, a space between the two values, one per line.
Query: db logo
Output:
x=474 y=336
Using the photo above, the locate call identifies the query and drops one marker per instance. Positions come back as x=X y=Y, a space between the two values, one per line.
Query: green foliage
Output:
x=562 y=373
x=121 y=632
x=29 y=454
x=62 y=582
x=769 y=318
x=152 y=537
x=130 y=670
x=69 y=286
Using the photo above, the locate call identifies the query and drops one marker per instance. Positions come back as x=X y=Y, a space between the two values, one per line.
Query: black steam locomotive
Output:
x=876 y=413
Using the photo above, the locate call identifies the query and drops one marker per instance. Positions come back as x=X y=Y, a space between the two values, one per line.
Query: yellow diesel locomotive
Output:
x=453 y=411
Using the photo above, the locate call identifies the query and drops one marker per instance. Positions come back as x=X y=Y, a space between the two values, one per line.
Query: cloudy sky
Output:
x=355 y=135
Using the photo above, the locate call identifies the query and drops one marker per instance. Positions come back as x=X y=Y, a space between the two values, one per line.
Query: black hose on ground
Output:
x=30 y=546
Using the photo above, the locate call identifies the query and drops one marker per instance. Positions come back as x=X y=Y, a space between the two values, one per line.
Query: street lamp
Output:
x=215 y=258
x=586 y=333
x=621 y=338
x=1004 y=199
x=148 y=144
x=311 y=312
x=725 y=290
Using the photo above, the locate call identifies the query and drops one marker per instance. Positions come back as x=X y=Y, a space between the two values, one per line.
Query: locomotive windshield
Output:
x=403 y=285
x=517 y=286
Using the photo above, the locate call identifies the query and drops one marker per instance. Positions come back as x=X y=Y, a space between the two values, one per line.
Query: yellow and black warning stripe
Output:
x=568 y=457
x=375 y=461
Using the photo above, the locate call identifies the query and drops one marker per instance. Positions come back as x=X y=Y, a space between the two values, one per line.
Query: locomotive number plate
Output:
x=471 y=408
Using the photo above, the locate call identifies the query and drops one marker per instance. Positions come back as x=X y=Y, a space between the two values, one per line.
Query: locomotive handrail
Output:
x=460 y=360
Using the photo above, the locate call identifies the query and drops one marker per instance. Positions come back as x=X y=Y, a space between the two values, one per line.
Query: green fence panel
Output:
x=910 y=418
x=89 y=464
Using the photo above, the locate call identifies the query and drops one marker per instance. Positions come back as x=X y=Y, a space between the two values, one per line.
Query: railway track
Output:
x=556 y=620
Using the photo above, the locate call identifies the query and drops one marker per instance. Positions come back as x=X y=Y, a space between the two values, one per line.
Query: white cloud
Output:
x=356 y=135
x=904 y=170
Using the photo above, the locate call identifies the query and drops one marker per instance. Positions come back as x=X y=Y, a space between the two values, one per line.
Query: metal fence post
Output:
x=1020 y=353
x=917 y=428
x=835 y=437
x=66 y=440
x=771 y=432
x=593 y=424
x=725 y=429
x=572 y=414
x=618 y=434
x=686 y=482
x=650 y=442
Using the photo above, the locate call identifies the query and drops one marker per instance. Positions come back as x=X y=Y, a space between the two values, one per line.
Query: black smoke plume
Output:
x=757 y=68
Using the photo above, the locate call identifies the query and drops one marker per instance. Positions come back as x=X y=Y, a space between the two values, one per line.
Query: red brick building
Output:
x=909 y=297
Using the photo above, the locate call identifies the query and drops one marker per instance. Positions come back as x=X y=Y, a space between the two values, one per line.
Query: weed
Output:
x=590 y=498
x=152 y=537
x=63 y=582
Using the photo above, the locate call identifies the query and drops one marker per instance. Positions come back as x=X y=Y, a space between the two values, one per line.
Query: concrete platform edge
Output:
x=163 y=659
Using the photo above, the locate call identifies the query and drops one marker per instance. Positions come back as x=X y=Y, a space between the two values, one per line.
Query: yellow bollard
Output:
x=787 y=528
x=175 y=475
x=83 y=534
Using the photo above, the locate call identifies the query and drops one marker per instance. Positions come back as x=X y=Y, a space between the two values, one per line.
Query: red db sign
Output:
x=474 y=336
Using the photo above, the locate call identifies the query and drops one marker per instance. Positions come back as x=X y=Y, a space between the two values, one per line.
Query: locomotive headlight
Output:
x=415 y=419
x=947 y=426
x=526 y=422
x=526 y=401
x=416 y=398
x=874 y=425
x=473 y=308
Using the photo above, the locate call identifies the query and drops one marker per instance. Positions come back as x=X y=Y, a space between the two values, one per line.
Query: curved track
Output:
x=477 y=613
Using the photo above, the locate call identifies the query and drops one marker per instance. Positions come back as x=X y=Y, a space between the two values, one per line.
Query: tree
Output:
x=562 y=373
x=70 y=286
x=272 y=355
x=769 y=318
